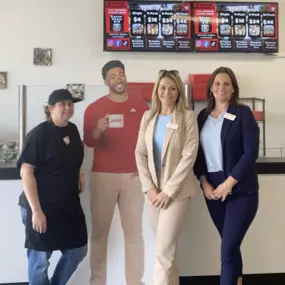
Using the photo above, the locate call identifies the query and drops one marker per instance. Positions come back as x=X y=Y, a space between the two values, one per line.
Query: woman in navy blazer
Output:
x=225 y=166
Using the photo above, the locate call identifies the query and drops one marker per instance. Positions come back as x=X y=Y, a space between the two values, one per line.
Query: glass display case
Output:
x=9 y=125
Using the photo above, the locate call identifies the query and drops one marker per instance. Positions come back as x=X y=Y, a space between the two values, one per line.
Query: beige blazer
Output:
x=177 y=178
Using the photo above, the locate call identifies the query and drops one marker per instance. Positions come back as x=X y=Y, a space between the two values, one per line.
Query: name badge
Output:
x=116 y=121
x=230 y=116
x=172 y=126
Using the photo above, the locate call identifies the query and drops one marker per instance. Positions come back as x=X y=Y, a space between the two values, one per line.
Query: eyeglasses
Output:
x=164 y=71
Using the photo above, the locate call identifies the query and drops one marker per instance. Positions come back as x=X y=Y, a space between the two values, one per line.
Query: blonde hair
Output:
x=181 y=104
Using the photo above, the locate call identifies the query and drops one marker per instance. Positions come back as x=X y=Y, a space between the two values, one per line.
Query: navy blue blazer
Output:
x=240 y=145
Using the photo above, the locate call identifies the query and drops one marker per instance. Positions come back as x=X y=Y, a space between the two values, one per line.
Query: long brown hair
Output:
x=210 y=98
x=181 y=104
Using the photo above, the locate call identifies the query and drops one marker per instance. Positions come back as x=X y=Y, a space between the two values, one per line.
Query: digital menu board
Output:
x=236 y=27
x=148 y=26
x=187 y=26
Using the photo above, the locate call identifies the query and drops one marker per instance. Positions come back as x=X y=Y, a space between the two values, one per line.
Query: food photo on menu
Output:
x=167 y=23
x=117 y=22
x=225 y=23
x=205 y=24
x=136 y=21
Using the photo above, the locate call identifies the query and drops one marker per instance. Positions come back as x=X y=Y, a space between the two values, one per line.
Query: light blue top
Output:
x=158 y=138
x=211 y=143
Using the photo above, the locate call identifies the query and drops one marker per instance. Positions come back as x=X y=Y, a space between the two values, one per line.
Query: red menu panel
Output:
x=117 y=25
x=205 y=26
x=198 y=84
x=141 y=89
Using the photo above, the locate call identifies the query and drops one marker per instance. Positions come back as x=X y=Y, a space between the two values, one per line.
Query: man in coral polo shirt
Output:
x=111 y=126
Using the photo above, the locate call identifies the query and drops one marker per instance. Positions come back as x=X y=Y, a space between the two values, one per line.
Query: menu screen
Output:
x=148 y=26
x=235 y=27
x=188 y=26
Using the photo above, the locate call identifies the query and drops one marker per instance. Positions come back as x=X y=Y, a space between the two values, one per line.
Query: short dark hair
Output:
x=235 y=96
x=111 y=64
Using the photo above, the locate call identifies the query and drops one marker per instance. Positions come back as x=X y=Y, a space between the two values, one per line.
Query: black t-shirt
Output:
x=57 y=155
x=56 y=163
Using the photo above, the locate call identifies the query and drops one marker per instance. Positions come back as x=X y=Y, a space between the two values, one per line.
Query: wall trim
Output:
x=248 y=279
x=21 y=283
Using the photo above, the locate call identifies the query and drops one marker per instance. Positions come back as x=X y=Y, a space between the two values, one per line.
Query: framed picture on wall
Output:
x=43 y=56
x=77 y=90
x=3 y=80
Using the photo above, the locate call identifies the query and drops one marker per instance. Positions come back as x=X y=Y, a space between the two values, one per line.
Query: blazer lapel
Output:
x=201 y=120
x=227 y=123
x=168 y=135
x=149 y=142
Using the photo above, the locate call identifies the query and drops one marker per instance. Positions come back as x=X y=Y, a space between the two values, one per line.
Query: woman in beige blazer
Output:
x=165 y=154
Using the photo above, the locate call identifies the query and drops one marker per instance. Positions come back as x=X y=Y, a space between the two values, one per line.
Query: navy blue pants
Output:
x=232 y=219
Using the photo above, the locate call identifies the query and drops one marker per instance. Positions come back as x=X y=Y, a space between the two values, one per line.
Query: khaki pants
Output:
x=108 y=189
x=167 y=225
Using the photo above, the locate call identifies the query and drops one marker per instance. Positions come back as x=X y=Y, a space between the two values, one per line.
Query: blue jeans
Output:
x=38 y=263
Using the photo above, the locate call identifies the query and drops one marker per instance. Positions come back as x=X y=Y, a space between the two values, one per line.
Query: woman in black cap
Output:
x=50 y=164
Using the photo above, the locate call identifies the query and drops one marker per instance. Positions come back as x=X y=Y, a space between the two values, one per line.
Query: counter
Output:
x=271 y=165
x=265 y=165
x=9 y=171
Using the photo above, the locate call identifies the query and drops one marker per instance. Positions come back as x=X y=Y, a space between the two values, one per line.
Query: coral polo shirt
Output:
x=114 y=150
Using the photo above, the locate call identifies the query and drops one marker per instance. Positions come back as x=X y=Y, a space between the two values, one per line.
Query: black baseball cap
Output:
x=61 y=95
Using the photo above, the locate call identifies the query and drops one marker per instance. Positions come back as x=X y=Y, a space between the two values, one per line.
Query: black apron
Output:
x=57 y=177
